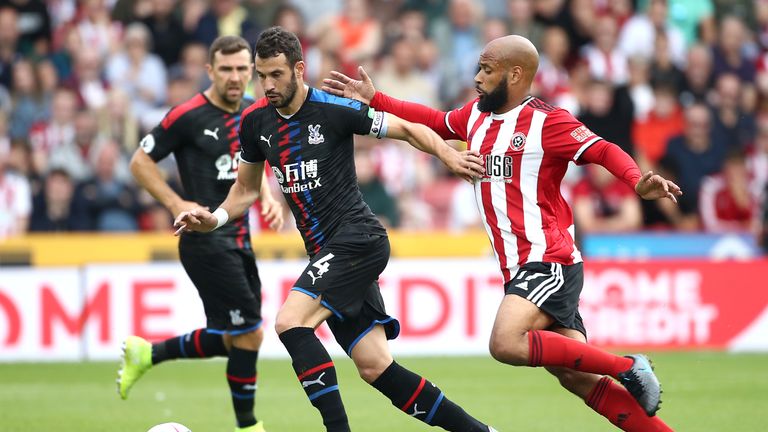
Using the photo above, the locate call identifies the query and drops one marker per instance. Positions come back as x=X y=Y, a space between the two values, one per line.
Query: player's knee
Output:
x=371 y=370
x=250 y=341
x=508 y=350
x=283 y=324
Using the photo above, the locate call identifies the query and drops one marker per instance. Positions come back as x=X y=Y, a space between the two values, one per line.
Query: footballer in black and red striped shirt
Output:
x=202 y=134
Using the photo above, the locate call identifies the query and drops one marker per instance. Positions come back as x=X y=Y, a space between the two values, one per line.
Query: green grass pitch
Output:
x=702 y=392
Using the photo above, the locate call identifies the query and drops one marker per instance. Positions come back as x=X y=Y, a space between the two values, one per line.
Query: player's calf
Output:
x=200 y=343
x=317 y=375
x=419 y=398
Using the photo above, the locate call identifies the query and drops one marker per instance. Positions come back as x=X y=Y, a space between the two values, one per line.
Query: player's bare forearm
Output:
x=148 y=176
x=245 y=190
x=466 y=165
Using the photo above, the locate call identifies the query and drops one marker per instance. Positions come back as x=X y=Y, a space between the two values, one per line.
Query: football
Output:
x=169 y=427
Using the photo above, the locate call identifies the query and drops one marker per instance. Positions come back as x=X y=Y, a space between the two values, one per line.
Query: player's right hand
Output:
x=182 y=206
x=344 y=86
x=199 y=219
x=466 y=164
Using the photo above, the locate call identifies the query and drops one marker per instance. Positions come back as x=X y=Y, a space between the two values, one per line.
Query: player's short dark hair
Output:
x=228 y=45
x=277 y=40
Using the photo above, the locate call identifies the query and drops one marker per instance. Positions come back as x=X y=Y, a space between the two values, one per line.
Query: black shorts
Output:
x=229 y=286
x=345 y=273
x=554 y=288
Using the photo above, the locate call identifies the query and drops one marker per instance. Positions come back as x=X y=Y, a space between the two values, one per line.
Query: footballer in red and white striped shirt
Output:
x=527 y=145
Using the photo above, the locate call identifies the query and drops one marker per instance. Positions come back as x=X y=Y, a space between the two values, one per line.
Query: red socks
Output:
x=546 y=348
x=614 y=402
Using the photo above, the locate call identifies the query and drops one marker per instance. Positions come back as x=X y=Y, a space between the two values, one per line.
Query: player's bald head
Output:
x=510 y=51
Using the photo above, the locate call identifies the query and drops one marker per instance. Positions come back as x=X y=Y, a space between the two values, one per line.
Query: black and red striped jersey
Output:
x=312 y=156
x=204 y=141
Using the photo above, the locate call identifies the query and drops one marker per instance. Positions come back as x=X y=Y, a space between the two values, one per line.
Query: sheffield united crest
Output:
x=518 y=141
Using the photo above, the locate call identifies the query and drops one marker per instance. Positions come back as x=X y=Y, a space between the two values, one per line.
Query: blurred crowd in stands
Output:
x=681 y=85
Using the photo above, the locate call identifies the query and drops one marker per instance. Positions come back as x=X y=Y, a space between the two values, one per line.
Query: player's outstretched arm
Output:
x=364 y=91
x=148 y=176
x=466 y=164
x=244 y=191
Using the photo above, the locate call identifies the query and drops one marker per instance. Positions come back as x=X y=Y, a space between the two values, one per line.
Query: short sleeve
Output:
x=565 y=137
x=163 y=139
x=458 y=120
x=249 y=145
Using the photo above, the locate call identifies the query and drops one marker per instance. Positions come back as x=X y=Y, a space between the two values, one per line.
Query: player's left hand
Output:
x=466 y=164
x=653 y=186
x=198 y=219
x=272 y=212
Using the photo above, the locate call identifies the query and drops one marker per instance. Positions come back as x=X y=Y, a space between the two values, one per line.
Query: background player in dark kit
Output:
x=202 y=133
x=307 y=137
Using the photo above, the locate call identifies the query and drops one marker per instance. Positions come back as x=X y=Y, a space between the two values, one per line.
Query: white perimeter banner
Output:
x=444 y=307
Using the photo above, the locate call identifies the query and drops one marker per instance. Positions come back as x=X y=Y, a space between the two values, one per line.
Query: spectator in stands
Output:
x=609 y=114
x=603 y=58
x=358 y=34
x=225 y=17
x=728 y=55
x=111 y=203
x=698 y=75
x=552 y=82
x=30 y=104
x=580 y=21
x=638 y=86
x=401 y=78
x=520 y=21
x=47 y=78
x=688 y=159
x=639 y=33
x=55 y=208
x=726 y=202
x=46 y=137
x=34 y=26
x=9 y=38
x=456 y=36
x=97 y=30
x=138 y=72
x=604 y=204
x=168 y=33
x=76 y=156
x=735 y=126
x=194 y=57
x=87 y=80
x=651 y=134
x=663 y=69
x=15 y=203
x=64 y=56
x=117 y=122
x=376 y=196
x=20 y=161
x=695 y=19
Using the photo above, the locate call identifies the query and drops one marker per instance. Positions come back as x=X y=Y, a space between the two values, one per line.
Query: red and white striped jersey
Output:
x=526 y=153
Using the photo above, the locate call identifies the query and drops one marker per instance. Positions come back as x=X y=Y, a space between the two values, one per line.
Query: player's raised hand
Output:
x=466 y=164
x=653 y=186
x=272 y=212
x=342 y=85
x=199 y=219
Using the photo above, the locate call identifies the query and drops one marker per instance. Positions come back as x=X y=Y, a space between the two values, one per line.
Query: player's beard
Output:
x=224 y=94
x=290 y=93
x=494 y=100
